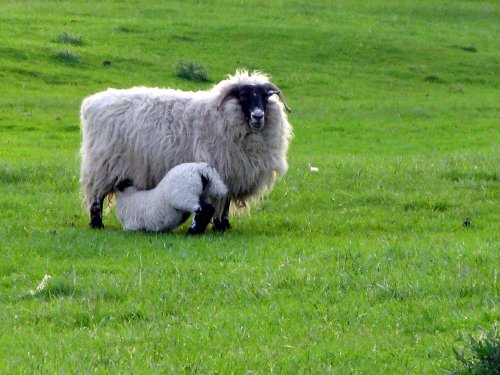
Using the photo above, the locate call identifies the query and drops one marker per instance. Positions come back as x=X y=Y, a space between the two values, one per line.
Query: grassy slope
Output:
x=363 y=267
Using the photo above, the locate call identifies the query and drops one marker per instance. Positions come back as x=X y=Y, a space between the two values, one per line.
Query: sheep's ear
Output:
x=229 y=93
x=272 y=89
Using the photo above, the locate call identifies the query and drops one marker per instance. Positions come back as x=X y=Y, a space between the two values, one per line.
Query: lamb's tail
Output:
x=212 y=183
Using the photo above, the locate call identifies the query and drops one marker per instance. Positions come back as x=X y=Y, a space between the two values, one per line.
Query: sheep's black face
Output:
x=253 y=100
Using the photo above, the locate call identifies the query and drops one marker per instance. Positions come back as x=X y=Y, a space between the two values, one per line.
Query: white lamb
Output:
x=187 y=188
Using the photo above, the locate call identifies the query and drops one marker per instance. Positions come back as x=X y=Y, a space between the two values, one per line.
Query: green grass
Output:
x=363 y=267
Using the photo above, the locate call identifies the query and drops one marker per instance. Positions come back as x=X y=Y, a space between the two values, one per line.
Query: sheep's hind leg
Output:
x=202 y=217
x=221 y=224
x=96 y=213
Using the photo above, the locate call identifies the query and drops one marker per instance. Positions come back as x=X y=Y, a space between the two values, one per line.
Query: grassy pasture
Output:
x=362 y=267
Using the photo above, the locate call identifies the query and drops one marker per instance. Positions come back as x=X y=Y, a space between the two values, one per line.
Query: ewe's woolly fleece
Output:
x=141 y=133
x=178 y=192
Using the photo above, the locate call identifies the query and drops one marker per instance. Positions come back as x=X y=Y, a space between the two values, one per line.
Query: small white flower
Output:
x=313 y=169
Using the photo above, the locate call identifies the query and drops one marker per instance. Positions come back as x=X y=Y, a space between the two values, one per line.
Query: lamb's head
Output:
x=253 y=99
x=125 y=186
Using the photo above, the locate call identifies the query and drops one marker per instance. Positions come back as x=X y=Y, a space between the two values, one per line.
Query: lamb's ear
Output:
x=228 y=93
x=272 y=89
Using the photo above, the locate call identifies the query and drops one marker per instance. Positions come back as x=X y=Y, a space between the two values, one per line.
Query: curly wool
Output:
x=141 y=133
x=163 y=208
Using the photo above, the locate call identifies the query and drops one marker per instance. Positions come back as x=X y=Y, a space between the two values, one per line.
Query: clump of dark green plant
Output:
x=482 y=357
x=465 y=48
x=67 y=38
x=433 y=79
x=67 y=56
x=192 y=72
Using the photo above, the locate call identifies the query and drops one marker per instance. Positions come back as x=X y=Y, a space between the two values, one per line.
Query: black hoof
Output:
x=96 y=219
x=221 y=225
x=96 y=224
x=193 y=231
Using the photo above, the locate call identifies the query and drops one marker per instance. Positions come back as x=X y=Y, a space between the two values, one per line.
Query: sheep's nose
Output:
x=258 y=115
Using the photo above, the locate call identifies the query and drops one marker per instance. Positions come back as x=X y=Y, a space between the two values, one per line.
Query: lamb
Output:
x=185 y=189
x=238 y=127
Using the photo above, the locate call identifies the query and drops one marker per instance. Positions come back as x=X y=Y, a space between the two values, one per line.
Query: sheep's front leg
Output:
x=221 y=220
x=96 y=213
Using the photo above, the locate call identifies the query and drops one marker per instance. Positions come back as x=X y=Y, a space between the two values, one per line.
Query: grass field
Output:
x=364 y=267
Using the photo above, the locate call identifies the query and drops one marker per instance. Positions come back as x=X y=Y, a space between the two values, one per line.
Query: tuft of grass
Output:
x=67 y=38
x=482 y=357
x=480 y=176
x=67 y=57
x=192 y=72
x=183 y=38
x=58 y=289
x=127 y=29
x=426 y=205
x=433 y=79
x=465 y=48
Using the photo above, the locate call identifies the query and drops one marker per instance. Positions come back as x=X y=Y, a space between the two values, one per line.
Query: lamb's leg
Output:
x=96 y=213
x=221 y=224
x=202 y=217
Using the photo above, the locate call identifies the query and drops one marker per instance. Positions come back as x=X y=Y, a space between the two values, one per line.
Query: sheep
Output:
x=140 y=133
x=187 y=188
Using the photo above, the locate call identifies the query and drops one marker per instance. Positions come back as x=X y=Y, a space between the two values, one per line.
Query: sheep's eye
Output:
x=242 y=98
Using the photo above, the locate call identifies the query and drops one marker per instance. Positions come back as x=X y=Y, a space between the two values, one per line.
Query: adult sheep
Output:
x=237 y=127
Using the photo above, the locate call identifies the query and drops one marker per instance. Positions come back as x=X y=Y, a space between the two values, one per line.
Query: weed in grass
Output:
x=67 y=38
x=25 y=72
x=477 y=176
x=67 y=57
x=423 y=205
x=183 y=38
x=9 y=174
x=433 y=79
x=57 y=289
x=14 y=54
x=71 y=128
x=481 y=357
x=131 y=316
x=81 y=319
x=127 y=29
x=192 y=72
x=465 y=48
